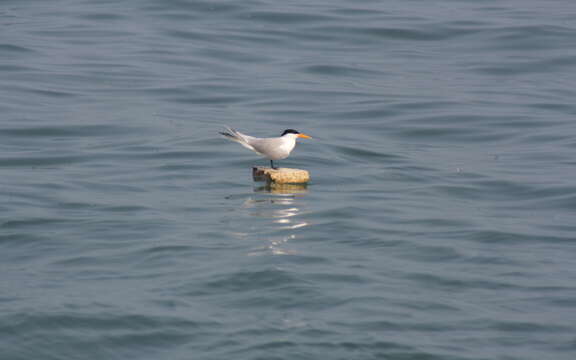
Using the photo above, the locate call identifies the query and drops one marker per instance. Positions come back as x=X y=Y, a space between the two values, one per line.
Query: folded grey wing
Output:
x=269 y=147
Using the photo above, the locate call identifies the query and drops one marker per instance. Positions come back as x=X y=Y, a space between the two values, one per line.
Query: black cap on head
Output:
x=290 y=131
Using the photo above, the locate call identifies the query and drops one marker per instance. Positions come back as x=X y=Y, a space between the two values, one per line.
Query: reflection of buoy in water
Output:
x=275 y=188
x=280 y=175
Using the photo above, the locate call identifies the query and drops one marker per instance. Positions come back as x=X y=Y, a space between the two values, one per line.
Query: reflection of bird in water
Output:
x=277 y=148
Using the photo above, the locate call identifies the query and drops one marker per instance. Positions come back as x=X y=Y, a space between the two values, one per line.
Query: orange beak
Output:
x=304 y=136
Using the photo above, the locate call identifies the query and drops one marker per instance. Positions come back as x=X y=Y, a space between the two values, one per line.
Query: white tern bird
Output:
x=276 y=148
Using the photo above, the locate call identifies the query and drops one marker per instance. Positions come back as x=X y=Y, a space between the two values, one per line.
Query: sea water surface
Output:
x=440 y=222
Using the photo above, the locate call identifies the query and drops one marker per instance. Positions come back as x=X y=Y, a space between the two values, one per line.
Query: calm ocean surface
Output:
x=440 y=222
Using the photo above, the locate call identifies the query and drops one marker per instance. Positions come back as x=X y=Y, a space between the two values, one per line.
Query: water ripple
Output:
x=438 y=223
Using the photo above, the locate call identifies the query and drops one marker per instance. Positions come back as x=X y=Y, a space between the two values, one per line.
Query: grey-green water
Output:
x=439 y=224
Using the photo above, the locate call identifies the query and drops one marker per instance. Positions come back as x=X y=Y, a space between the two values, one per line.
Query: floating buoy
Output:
x=280 y=175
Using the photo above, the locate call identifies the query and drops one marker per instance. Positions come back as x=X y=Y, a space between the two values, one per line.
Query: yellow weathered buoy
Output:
x=280 y=175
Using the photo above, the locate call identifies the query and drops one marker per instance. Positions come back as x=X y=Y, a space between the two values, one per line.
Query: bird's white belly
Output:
x=274 y=151
x=277 y=154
